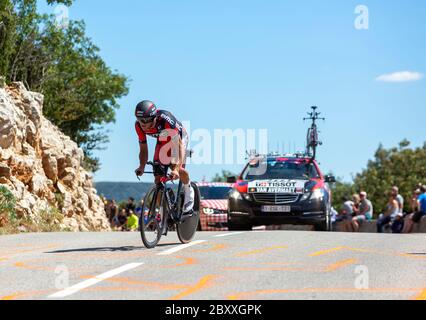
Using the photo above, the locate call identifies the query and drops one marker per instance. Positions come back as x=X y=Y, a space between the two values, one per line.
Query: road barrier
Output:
x=366 y=227
x=371 y=226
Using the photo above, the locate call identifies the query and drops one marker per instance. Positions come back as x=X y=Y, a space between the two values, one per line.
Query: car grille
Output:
x=275 y=198
x=217 y=211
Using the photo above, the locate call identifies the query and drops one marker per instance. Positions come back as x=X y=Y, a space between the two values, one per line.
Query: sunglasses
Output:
x=146 y=120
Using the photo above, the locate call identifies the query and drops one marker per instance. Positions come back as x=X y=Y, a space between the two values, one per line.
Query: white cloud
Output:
x=401 y=76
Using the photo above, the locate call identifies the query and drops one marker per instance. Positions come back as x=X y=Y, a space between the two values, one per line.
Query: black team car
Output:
x=276 y=190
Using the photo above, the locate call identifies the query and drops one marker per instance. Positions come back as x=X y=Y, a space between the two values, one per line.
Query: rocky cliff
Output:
x=42 y=167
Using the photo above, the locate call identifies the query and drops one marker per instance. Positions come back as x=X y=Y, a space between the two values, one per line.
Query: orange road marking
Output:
x=110 y=254
x=411 y=256
x=263 y=269
x=340 y=264
x=202 y=284
x=25 y=265
x=22 y=265
x=406 y=255
x=275 y=266
x=260 y=251
x=12 y=297
x=216 y=247
x=14 y=252
x=187 y=262
x=38 y=294
x=245 y=295
x=157 y=285
x=421 y=296
x=19 y=295
x=281 y=263
x=322 y=252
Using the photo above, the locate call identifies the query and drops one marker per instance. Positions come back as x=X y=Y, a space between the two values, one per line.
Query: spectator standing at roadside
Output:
x=364 y=213
x=113 y=210
x=108 y=210
x=130 y=206
x=391 y=212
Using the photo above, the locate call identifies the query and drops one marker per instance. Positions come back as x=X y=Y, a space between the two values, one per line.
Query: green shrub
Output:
x=49 y=220
x=59 y=197
x=7 y=207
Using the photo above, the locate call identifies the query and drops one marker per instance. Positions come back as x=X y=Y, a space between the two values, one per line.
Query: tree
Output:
x=7 y=34
x=341 y=192
x=223 y=177
x=81 y=91
x=400 y=166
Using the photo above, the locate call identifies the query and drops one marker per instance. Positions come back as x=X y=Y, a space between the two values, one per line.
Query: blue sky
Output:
x=262 y=64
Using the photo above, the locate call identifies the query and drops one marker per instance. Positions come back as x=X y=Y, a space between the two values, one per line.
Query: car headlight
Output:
x=235 y=195
x=317 y=194
x=208 y=210
x=305 y=196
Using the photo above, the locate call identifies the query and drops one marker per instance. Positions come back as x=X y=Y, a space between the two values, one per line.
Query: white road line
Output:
x=227 y=234
x=90 y=282
x=181 y=247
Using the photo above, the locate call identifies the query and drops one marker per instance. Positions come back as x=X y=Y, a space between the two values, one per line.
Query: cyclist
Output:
x=172 y=141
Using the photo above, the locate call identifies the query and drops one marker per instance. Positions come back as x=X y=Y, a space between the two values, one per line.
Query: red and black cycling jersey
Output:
x=164 y=121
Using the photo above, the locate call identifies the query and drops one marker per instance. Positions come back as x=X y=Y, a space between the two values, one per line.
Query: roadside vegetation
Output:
x=223 y=177
x=7 y=210
x=400 y=166
x=48 y=220
x=58 y=60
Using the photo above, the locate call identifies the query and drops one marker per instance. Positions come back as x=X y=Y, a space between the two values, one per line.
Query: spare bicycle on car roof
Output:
x=312 y=140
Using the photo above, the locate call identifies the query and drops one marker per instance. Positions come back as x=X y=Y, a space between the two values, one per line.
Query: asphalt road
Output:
x=249 y=265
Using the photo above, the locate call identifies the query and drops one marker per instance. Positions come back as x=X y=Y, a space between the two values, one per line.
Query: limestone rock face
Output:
x=42 y=167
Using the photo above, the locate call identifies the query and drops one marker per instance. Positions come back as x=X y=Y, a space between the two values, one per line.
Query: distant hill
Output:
x=123 y=190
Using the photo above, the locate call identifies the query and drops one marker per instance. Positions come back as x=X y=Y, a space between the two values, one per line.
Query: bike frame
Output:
x=173 y=206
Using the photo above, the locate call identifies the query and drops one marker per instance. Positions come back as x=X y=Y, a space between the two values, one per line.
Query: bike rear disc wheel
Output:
x=153 y=218
x=186 y=230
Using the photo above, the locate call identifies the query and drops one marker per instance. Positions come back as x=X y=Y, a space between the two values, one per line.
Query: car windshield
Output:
x=214 y=193
x=291 y=169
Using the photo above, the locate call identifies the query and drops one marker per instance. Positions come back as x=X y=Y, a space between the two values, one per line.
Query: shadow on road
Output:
x=110 y=249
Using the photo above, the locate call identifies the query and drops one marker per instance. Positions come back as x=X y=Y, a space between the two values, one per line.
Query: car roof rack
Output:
x=298 y=154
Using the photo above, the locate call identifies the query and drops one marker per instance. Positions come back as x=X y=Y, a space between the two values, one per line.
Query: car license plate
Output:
x=276 y=209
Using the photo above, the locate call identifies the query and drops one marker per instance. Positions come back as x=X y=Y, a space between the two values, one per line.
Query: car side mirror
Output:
x=330 y=179
x=231 y=179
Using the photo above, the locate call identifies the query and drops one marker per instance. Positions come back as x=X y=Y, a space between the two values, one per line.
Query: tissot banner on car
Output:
x=276 y=186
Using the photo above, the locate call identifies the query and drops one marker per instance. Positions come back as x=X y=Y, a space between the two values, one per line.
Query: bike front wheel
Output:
x=187 y=228
x=153 y=219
